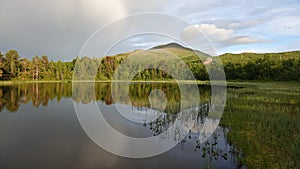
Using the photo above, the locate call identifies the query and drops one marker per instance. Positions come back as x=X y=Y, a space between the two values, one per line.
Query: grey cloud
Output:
x=55 y=28
x=59 y=29
x=136 y=6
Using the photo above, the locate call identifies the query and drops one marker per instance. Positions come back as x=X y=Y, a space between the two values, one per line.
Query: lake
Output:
x=39 y=127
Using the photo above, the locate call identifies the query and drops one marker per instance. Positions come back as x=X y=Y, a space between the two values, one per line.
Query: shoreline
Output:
x=11 y=82
x=227 y=83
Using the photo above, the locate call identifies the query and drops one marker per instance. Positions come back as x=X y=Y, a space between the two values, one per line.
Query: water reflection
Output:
x=45 y=128
x=39 y=94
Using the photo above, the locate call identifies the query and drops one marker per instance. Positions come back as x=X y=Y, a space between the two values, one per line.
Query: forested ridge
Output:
x=284 y=66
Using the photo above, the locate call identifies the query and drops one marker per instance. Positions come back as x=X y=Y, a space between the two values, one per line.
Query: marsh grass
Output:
x=264 y=123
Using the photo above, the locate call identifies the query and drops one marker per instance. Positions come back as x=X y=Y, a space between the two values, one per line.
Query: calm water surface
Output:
x=39 y=129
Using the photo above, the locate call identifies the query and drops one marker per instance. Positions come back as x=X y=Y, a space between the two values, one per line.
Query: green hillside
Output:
x=184 y=53
x=247 y=57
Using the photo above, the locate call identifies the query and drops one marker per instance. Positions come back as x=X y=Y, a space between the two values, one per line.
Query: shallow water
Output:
x=39 y=129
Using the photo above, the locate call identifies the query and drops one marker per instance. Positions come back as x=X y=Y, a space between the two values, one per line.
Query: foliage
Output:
x=283 y=66
x=39 y=68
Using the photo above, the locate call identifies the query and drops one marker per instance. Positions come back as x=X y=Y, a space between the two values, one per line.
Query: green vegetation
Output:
x=264 y=123
x=246 y=66
x=12 y=67
x=264 y=67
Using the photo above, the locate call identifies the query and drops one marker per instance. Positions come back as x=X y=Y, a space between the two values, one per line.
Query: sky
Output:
x=60 y=28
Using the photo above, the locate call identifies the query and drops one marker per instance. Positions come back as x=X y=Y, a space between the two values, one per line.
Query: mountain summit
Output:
x=180 y=50
x=170 y=45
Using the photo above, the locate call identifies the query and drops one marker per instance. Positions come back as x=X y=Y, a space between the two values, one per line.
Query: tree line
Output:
x=264 y=70
x=284 y=66
x=13 y=67
x=268 y=67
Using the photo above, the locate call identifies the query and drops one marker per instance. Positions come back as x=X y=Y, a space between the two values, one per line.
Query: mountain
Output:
x=180 y=50
x=170 y=45
x=189 y=55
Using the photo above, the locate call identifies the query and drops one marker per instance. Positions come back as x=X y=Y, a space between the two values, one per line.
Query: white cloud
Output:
x=146 y=44
x=243 y=40
x=215 y=33
x=218 y=36
x=210 y=30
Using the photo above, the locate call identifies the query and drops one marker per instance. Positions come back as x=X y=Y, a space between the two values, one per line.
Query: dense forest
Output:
x=283 y=66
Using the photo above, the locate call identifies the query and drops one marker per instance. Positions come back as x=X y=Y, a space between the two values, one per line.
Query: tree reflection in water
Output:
x=39 y=94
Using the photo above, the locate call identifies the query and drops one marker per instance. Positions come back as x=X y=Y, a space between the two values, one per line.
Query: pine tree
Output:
x=12 y=58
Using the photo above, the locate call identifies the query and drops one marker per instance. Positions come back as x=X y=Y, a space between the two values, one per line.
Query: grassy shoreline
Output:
x=264 y=123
